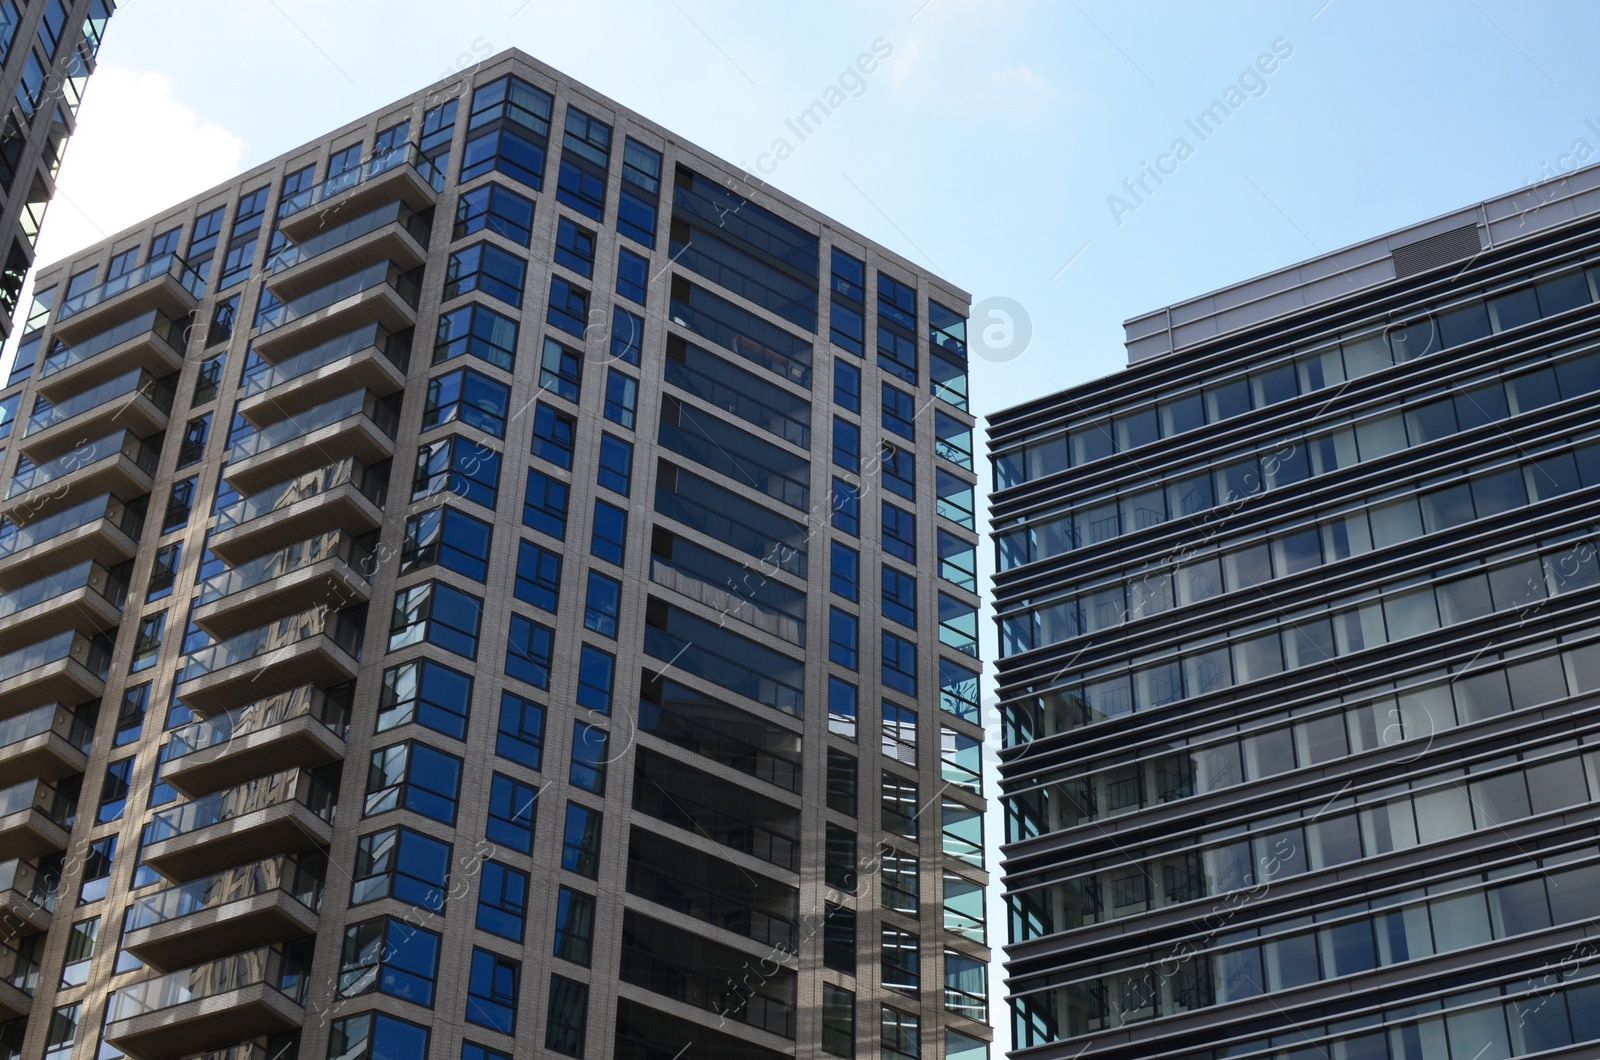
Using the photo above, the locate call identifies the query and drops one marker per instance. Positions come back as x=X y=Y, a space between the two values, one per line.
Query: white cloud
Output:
x=1018 y=80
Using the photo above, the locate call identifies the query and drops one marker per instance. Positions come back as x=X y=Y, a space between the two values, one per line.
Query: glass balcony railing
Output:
x=138 y=381
x=30 y=475
x=408 y=155
x=335 y=544
x=711 y=906
x=29 y=884
x=126 y=518
x=292 y=785
x=113 y=586
x=52 y=717
x=17 y=970
x=719 y=744
x=307 y=701
x=384 y=412
x=94 y=654
x=371 y=484
x=393 y=213
x=722 y=995
x=717 y=824
x=271 y=966
x=404 y=283
x=57 y=806
x=263 y=377
x=299 y=878
x=165 y=265
x=285 y=633
x=170 y=331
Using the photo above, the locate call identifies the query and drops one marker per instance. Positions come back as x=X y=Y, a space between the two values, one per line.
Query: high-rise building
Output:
x=47 y=51
x=500 y=427
x=1300 y=626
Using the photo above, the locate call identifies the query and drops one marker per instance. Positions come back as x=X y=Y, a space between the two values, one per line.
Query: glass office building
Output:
x=1300 y=661
x=501 y=429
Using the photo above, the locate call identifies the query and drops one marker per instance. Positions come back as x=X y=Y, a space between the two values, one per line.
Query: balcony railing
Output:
x=296 y=629
x=716 y=824
x=393 y=213
x=85 y=575
x=379 y=274
x=52 y=717
x=740 y=607
x=57 y=806
x=725 y=996
x=307 y=701
x=719 y=745
x=409 y=155
x=713 y=907
x=302 y=882
x=383 y=412
x=167 y=329
x=263 y=377
x=293 y=785
x=17 y=970
x=369 y=484
x=358 y=554
x=268 y=966
x=32 y=886
x=158 y=391
x=122 y=443
x=166 y=265
x=124 y=517
x=94 y=654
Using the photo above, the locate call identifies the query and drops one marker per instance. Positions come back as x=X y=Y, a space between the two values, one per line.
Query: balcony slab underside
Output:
x=205 y=935
x=355 y=436
x=47 y=756
x=366 y=369
x=283 y=828
x=101 y=540
x=210 y=1023
x=302 y=741
x=329 y=582
x=343 y=507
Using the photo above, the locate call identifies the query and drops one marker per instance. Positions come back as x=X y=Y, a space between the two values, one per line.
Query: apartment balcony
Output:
x=706 y=807
x=240 y=909
x=346 y=495
x=120 y=464
x=368 y=358
x=212 y=1005
x=725 y=734
x=27 y=897
x=152 y=342
x=35 y=820
x=320 y=647
x=400 y=175
x=19 y=977
x=305 y=726
x=86 y=597
x=382 y=294
x=701 y=977
x=393 y=232
x=166 y=285
x=66 y=668
x=331 y=570
x=103 y=530
x=135 y=400
x=712 y=892
x=285 y=813
x=48 y=742
x=357 y=425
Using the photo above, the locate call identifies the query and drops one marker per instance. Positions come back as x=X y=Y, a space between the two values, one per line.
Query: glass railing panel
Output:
x=27 y=882
x=165 y=265
x=335 y=544
x=302 y=882
x=85 y=575
x=381 y=411
x=164 y=327
x=269 y=966
x=409 y=155
x=52 y=717
x=393 y=213
x=137 y=381
x=293 y=491
x=93 y=654
x=379 y=274
x=127 y=518
x=293 y=785
x=57 y=806
x=262 y=377
x=307 y=701
x=287 y=632
x=122 y=442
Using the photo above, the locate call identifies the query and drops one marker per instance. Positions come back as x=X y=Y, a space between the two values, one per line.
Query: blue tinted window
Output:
x=460 y=466
x=844 y=570
x=580 y=841
x=502 y=900
x=567 y=1022
x=512 y=807
x=427 y=693
x=401 y=864
x=597 y=672
x=474 y=1051
x=485 y=267
x=575 y=248
x=633 y=275
x=616 y=464
x=627 y=335
x=899 y=408
x=468 y=397
x=843 y=637
x=574 y=926
x=602 y=604
x=569 y=307
x=528 y=649
x=561 y=370
x=376 y=1034
x=538 y=578
x=554 y=434
x=622 y=398
x=846 y=508
x=492 y=991
x=413 y=776
x=610 y=532
x=847 y=385
x=520 y=737
x=545 y=508
x=589 y=757
x=436 y=613
x=478 y=331
x=847 y=445
x=899 y=471
x=513 y=154
x=843 y=702
x=899 y=596
x=641 y=192
x=495 y=209
x=899 y=664
x=449 y=538
x=899 y=533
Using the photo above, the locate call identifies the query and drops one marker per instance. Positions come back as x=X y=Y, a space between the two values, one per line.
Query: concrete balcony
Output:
x=704 y=806
x=151 y=342
x=400 y=175
x=320 y=647
x=209 y=1006
x=136 y=401
x=382 y=294
x=47 y=743
x=86 y=597
x=165 y=285
x=103 y=530
x=368 y=358
x=67 y=668
x=305 y=726
x=281 y=814
x=694 y=973
x=346 y=496
x=120 y=464
x=27 y=897
x=244 y=908
x=358 y=425
x=35 y=820
x=19 y=977
x=393 y=232
x=330 y=570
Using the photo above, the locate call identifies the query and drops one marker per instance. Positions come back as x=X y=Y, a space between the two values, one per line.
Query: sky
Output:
x=995 y=144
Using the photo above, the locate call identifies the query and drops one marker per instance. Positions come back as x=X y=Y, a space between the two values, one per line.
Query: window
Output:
x=459 y=465
x=451 y=539
x=899 y=596
x=596 y=674
x=841 y=782
x=180 y=502
x=192 y=446
x=622 y=398
x=468 y=397
x=838 y=1021
x=902 y=961
x=574 y=926
x=147 y=642
x=966 y=986
x=474 y=1051
x=428 y=693
x=495 y=209
x=846 y=504
x=569 y=307
x=839 y=859
x=477 y=331
x=164 y=571
x=641 y=191
x=528 y=649
x=627 y=335
x=561 y=370
x=847 y=445
x=413 y=776
x=902 y=1035
x=438 y=614
x=545 y=508
x=485 y=267
x=843 y=637
x=62 y=1033
x=588 y=769
x=511 y=153
x=839 y=938
x=377 y=1036
x=846 y=385
x=114 y=791
x=97 y=869
x=575 y=248
x=633 y=275
x=958 y=561
x=842 y=705
x=401 y=864
x=568 y=1016
x=899 y=533
x=538 y=580
x=900 y=805
x=512 y=806
x=900 y=885
x=580 y=842
x=602 y=604
x=844 y=570
x=899 y=409
x=554 y=435
x=130 y=716
x=899 y=471
x=492 y=991
x=616 y=464
x=585 y=157
x=899 y=664
x=520 y=738
x=502 y=900
x=609 y=539
x=392 y=957
x=208 y=380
